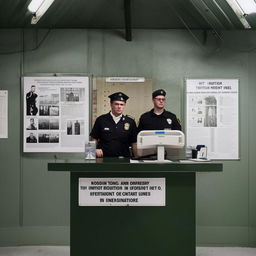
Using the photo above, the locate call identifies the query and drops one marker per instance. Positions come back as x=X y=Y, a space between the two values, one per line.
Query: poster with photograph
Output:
x=212 y=116
x=56 y=114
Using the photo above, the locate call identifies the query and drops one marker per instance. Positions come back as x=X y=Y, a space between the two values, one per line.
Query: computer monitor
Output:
x=172 y=142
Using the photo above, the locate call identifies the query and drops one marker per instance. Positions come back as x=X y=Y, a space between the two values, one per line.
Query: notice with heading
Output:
x=56 y=114
x=212 y=116
x=121 y=192
x=3 y=114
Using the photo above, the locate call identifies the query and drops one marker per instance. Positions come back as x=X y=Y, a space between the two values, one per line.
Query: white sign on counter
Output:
x=121 y=191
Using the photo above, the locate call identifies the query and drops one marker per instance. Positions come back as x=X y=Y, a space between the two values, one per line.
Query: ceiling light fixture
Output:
x=248 y=6
x=236 y=5
x=38 y=9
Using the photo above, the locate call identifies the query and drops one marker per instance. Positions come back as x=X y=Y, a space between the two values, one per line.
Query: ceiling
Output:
x=110 y=14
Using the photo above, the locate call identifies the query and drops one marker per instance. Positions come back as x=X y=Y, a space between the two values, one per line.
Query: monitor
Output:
x=172 y=142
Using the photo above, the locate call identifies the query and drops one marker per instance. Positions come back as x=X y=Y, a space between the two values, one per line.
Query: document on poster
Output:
x=3 y=114
x=121 y=191
x=212 y=116
x=56 y=114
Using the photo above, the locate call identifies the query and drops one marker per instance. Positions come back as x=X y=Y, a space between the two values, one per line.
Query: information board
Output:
x=56 y=114
x=212 y=116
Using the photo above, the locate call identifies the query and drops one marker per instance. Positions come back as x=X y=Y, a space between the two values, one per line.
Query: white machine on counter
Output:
x=157 y=141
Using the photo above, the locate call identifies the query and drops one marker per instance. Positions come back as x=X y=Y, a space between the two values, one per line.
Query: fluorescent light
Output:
x=239 y=12
x=38 y=8
x=248 y=6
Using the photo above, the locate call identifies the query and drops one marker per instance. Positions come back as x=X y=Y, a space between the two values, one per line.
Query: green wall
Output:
x=34 y=203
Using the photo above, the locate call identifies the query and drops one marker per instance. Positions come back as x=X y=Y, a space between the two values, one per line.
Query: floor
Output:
x=64 y=251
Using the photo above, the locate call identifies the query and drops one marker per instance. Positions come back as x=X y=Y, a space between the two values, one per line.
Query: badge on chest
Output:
x=169 y=120
x=126 y=126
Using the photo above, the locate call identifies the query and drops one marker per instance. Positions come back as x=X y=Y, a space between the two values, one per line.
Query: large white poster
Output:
x=3 y=114
x=56 y=114
x=212 y=116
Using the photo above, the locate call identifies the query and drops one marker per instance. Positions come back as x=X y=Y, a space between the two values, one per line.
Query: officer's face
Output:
x=159 y=101
x=117 y=107
x=33 y=88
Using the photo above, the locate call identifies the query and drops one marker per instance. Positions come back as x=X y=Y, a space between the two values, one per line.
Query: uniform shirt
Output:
x=114 y=139
x=116 y=118
x=152 y=121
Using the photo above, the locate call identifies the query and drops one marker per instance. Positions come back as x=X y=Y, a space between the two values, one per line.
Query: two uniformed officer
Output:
x=158 y=118
x=113 y=132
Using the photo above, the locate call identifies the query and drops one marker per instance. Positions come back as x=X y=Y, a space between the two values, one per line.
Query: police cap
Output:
x=158 y=92
x=118 y=96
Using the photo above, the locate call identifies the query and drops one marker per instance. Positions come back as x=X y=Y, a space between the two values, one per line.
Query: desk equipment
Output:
x=158 y=141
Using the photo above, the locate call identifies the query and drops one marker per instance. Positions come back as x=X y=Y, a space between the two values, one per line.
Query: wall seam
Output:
x=21 y=130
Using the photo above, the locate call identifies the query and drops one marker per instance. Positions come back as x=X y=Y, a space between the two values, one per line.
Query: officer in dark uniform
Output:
x=158 y=118
x=113 y=132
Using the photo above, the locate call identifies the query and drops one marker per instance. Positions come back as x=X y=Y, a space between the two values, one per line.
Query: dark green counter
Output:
x=139 y=230
x=124 y=165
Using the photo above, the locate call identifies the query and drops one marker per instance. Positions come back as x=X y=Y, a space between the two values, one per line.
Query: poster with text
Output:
x=212 y=116
x=3 y=114
x=56 y=114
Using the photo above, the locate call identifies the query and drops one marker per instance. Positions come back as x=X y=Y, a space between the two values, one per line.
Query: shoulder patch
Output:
x=130 y=117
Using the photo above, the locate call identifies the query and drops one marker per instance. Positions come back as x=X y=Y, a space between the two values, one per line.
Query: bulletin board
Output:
x=55 y=113
x=138 y=89
x=212 y=116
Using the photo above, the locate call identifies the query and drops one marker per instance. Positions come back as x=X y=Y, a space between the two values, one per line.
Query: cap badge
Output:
x=126 y=126
x=169 y=120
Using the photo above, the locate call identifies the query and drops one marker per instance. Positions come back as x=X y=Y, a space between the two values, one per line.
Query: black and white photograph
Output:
x=44 y=137
x=75 y=127
x=43 y=124
x=210 y=119
x=31 y=138
x=43 y=110
x=31 y=101
x=54 y=110
x=31 y=123
x=72 y=94
x=69 y=127
x=54 y=138
x=49 y=99
x=54 y=124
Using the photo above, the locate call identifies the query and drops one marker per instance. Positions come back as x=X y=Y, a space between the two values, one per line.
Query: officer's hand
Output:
x=99 y=153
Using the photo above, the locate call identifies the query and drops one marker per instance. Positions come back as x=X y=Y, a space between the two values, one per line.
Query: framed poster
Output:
x=3 y=114
x=55 y=113
x=212 y=116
